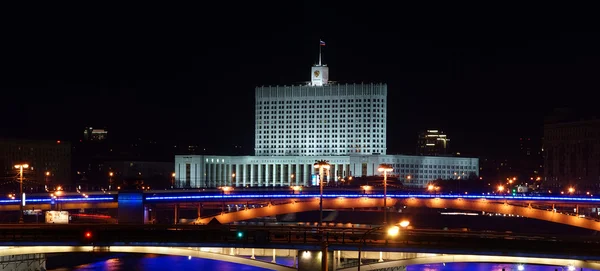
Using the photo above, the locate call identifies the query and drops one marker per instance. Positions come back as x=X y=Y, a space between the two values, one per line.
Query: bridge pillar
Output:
x=310 y=260
x=131 y=208
x=176 y=214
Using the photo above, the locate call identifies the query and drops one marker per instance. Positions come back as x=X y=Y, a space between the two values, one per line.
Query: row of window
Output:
x=304 y=112
x=320 y=106
x=304 y=133
x=320 y=146
x=317 y=152
x=318 y=141
x=319 y=101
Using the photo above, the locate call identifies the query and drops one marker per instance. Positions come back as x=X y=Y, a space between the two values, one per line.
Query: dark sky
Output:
x=484 y=75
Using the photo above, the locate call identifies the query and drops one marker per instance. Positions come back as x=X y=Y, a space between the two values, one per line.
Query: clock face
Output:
x=317 y=72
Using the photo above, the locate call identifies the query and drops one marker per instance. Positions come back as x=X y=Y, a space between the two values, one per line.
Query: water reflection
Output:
x=158 y=263
x=138 y=262
x=486 y=267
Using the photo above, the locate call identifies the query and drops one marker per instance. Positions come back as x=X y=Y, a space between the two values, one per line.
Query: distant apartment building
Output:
x=572 y=153
x=91 y=134
x=49 y=161
x=432 y=143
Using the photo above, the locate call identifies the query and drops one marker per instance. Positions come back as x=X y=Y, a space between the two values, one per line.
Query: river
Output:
x=150 y=262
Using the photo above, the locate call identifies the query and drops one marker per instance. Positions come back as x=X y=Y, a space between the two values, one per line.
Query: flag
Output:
x=322 y=43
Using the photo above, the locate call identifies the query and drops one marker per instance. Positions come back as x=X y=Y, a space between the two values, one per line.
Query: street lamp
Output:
x=321 y=166
x=385 y=168
x=110 y=175
x=172 y=180
x=292 y=177
x=20 y=167
x=392 y=231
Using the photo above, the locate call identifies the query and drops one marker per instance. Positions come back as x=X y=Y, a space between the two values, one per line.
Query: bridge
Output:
x=243 y=244
x=233 y=206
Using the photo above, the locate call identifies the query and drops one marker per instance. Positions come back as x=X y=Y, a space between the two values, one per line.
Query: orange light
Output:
x=88 y=234
x=57 y=141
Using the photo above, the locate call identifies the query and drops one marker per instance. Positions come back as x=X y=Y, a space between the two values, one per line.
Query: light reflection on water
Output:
x=161 y=263
x=486 y=267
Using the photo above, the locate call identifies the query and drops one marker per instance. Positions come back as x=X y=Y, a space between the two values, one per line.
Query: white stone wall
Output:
x=274 y=171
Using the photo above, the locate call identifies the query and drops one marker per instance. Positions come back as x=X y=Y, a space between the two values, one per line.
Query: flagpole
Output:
x=320 y=52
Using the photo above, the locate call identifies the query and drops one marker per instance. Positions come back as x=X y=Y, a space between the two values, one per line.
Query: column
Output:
x=229 y=177
x=252 y=257
x=207 y=172
x=289 y=174
x=308 y=170
x=245 y=169
x=252 y=175
x=298 y=178
x=274 y=254
x=282 y=174
x=260 y=179
x=274 y=170
x=239 y=173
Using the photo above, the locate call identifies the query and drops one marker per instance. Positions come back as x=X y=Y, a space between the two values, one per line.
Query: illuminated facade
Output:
x=321 y=120
x=344 y=124
x=91 y=134
x=260 y=171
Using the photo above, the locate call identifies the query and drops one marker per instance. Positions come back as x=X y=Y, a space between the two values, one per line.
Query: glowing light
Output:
x=520 y=267
x=404 y=223
x=393 y=230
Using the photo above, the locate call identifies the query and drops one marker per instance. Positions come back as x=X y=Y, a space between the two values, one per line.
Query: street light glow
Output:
x=404 y=223
x=393 y=231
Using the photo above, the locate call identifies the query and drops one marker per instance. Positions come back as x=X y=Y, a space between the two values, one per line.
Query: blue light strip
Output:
x=49 y=200
x=402 y=196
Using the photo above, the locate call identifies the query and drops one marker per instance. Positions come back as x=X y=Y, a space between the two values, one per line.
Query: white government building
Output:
x=295 y=126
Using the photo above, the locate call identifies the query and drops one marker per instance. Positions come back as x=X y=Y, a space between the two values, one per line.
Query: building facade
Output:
x=572 y=154
x=49 y=161
x=432 y=143
x=199 y=171
x=335 y=119
x=344 y=124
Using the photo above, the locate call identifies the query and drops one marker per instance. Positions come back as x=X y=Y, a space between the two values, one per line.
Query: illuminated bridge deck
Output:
x=174 y=196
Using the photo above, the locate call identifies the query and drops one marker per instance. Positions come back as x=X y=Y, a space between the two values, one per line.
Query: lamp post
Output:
x=46 y=180
x=110 y=175
x=391 y=231
x=292 y=177
x=385 y=168
x=321 y=166
x=20 y=167
x=172 y=180
x=232 y=179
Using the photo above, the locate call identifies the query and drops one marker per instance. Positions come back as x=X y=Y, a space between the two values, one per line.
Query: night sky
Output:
x=187 y=74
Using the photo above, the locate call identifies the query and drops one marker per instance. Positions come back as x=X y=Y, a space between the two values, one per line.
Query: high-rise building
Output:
x=572 y=151
x=91 y=134
x=49 y=161
x=432 y=143
x=328 y=119
x=321 y=120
